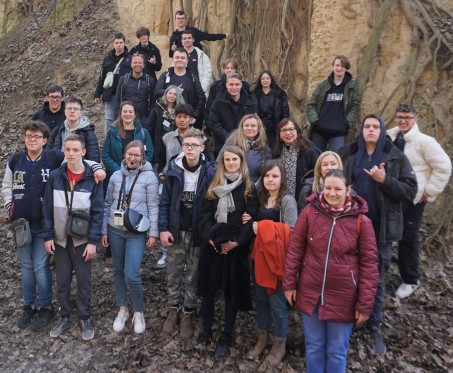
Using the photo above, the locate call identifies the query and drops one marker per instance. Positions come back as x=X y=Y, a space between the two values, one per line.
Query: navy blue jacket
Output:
x=171 y=197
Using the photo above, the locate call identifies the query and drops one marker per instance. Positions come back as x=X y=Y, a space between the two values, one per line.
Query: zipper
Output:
x=327 y=259
x=353 y=279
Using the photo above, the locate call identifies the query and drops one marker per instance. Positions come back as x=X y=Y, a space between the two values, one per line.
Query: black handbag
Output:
x=78 y=221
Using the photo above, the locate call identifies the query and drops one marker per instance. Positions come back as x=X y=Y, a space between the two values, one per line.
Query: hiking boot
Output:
x=406 y=290
x=223 y=345
x=186 y=328
x=120 y=320
x=45 y=314
x=139 y=322
x=277 y=352
x=87 y=329
x=260 y=345
x=203 y=339
x=172 y=319
x=60 y=326
x=27 y=314
x=379 y=343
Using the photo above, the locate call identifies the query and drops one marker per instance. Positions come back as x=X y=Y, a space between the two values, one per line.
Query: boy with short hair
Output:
x=186 y=182
x=73 y=187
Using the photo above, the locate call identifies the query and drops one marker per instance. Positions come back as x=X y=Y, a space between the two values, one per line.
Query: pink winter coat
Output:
x=333 y=262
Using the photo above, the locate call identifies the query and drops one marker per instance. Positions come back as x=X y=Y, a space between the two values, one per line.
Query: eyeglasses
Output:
x=73 y=109
x=55 y=98
x=399 y=117
x=33 y=137
x=133 y=155
x=190 y=146
x=288 y=130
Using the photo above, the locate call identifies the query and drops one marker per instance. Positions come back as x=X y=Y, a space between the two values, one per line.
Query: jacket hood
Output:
x=46 y=108
x=347 y=78
x=124 y=54
x=381 y=142
x=359 y=205
x=83 y=122
x=180 y=156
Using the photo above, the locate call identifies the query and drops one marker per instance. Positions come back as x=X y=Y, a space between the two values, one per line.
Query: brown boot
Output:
x=260 y=345
x=185 y=328
x=172 y=319
x=277 y=353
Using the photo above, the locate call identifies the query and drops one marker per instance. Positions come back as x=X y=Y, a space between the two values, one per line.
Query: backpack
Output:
x=126 y=79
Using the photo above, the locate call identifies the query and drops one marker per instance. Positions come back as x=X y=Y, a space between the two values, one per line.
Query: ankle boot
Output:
x=260 y=345
x=277 y=352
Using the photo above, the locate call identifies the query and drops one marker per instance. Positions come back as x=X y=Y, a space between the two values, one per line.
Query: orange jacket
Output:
x=269 y=252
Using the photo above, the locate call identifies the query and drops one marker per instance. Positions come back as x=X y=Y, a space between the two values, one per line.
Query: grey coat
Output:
x=145 y=196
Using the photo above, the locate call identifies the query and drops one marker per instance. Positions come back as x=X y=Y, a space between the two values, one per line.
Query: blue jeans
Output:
x=335 y=143
x=109 y=113
x=275 y=305
x=127 y=254
x=35 y=264
x=326 y=344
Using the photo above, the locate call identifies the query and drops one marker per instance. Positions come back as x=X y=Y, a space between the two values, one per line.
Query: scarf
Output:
x=226 y=201
x=335 y=210
x=289 y=160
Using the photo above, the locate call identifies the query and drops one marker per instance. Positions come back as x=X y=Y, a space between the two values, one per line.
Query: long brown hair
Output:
x=301 y=141
x=263 y=193
x=119 y=120
x=219 y=177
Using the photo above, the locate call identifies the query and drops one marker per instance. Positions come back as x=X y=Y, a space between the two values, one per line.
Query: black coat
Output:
x=400 y=184
x=140 y=91
x=306 y=161
x=223 y=119
x=280 y=110
x=45 y=115
x=198 y=36
x=230 y=272
x=108 y=65
x=149 y=51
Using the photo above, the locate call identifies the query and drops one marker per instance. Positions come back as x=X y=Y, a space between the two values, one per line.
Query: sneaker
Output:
x=139 y=322
x=27 y=314
x=203 y=339
x=172 y=319
x=223 y=346
x=162 y=262
x=45 y=314
x=379 y=344
x=87 y=329
x=185 y=328
x=120 y=321
x=60 y=326
x=406 y=290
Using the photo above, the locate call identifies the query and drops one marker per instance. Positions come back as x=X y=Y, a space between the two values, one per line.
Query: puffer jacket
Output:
x=48 y=117
x=351 y=101
x=400 y=184
x=84 y=129
x=332 y=262
x=149 y=51
x=204 y=70
x=144 y=198
x=431 y=164
x=138 y=90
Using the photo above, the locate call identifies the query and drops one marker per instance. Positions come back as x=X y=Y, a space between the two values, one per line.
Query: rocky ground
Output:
x=419 y=331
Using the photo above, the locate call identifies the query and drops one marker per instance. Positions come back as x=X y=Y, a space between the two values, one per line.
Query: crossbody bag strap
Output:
x=117 y=66
x=129 y=195
x=68 y=204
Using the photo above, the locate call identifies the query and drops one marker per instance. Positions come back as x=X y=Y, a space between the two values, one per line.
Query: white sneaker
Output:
x=405 y=290
x=162 y=262
x=120 y=321
x=139 y=322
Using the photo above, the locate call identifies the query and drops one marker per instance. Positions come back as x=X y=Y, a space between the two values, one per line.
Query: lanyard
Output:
x=127 y=197
x=68 y=205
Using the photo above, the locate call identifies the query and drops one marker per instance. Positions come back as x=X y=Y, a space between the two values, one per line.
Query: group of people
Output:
x=261 y=212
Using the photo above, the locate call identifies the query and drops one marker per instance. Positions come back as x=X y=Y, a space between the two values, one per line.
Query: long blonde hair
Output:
x=219 y=177
x=317 y=187
x=238 y=138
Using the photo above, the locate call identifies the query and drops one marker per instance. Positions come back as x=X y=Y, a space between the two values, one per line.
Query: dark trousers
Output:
x=66 y=260
x=385 y=257
x=207 y=313
x=409 y=246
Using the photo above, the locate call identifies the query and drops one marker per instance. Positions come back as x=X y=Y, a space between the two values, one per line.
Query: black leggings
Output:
x=207 y=313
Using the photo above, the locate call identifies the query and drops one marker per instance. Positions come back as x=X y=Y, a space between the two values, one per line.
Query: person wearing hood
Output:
x=228 y=109
x=186 y=182
x=331 y=271
x=134 y=186
x=79 y=124
x=334 y=107
x=52 y=112
x=187 y=82
x=117 y=61
x=153 y=60
x=382 y=175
